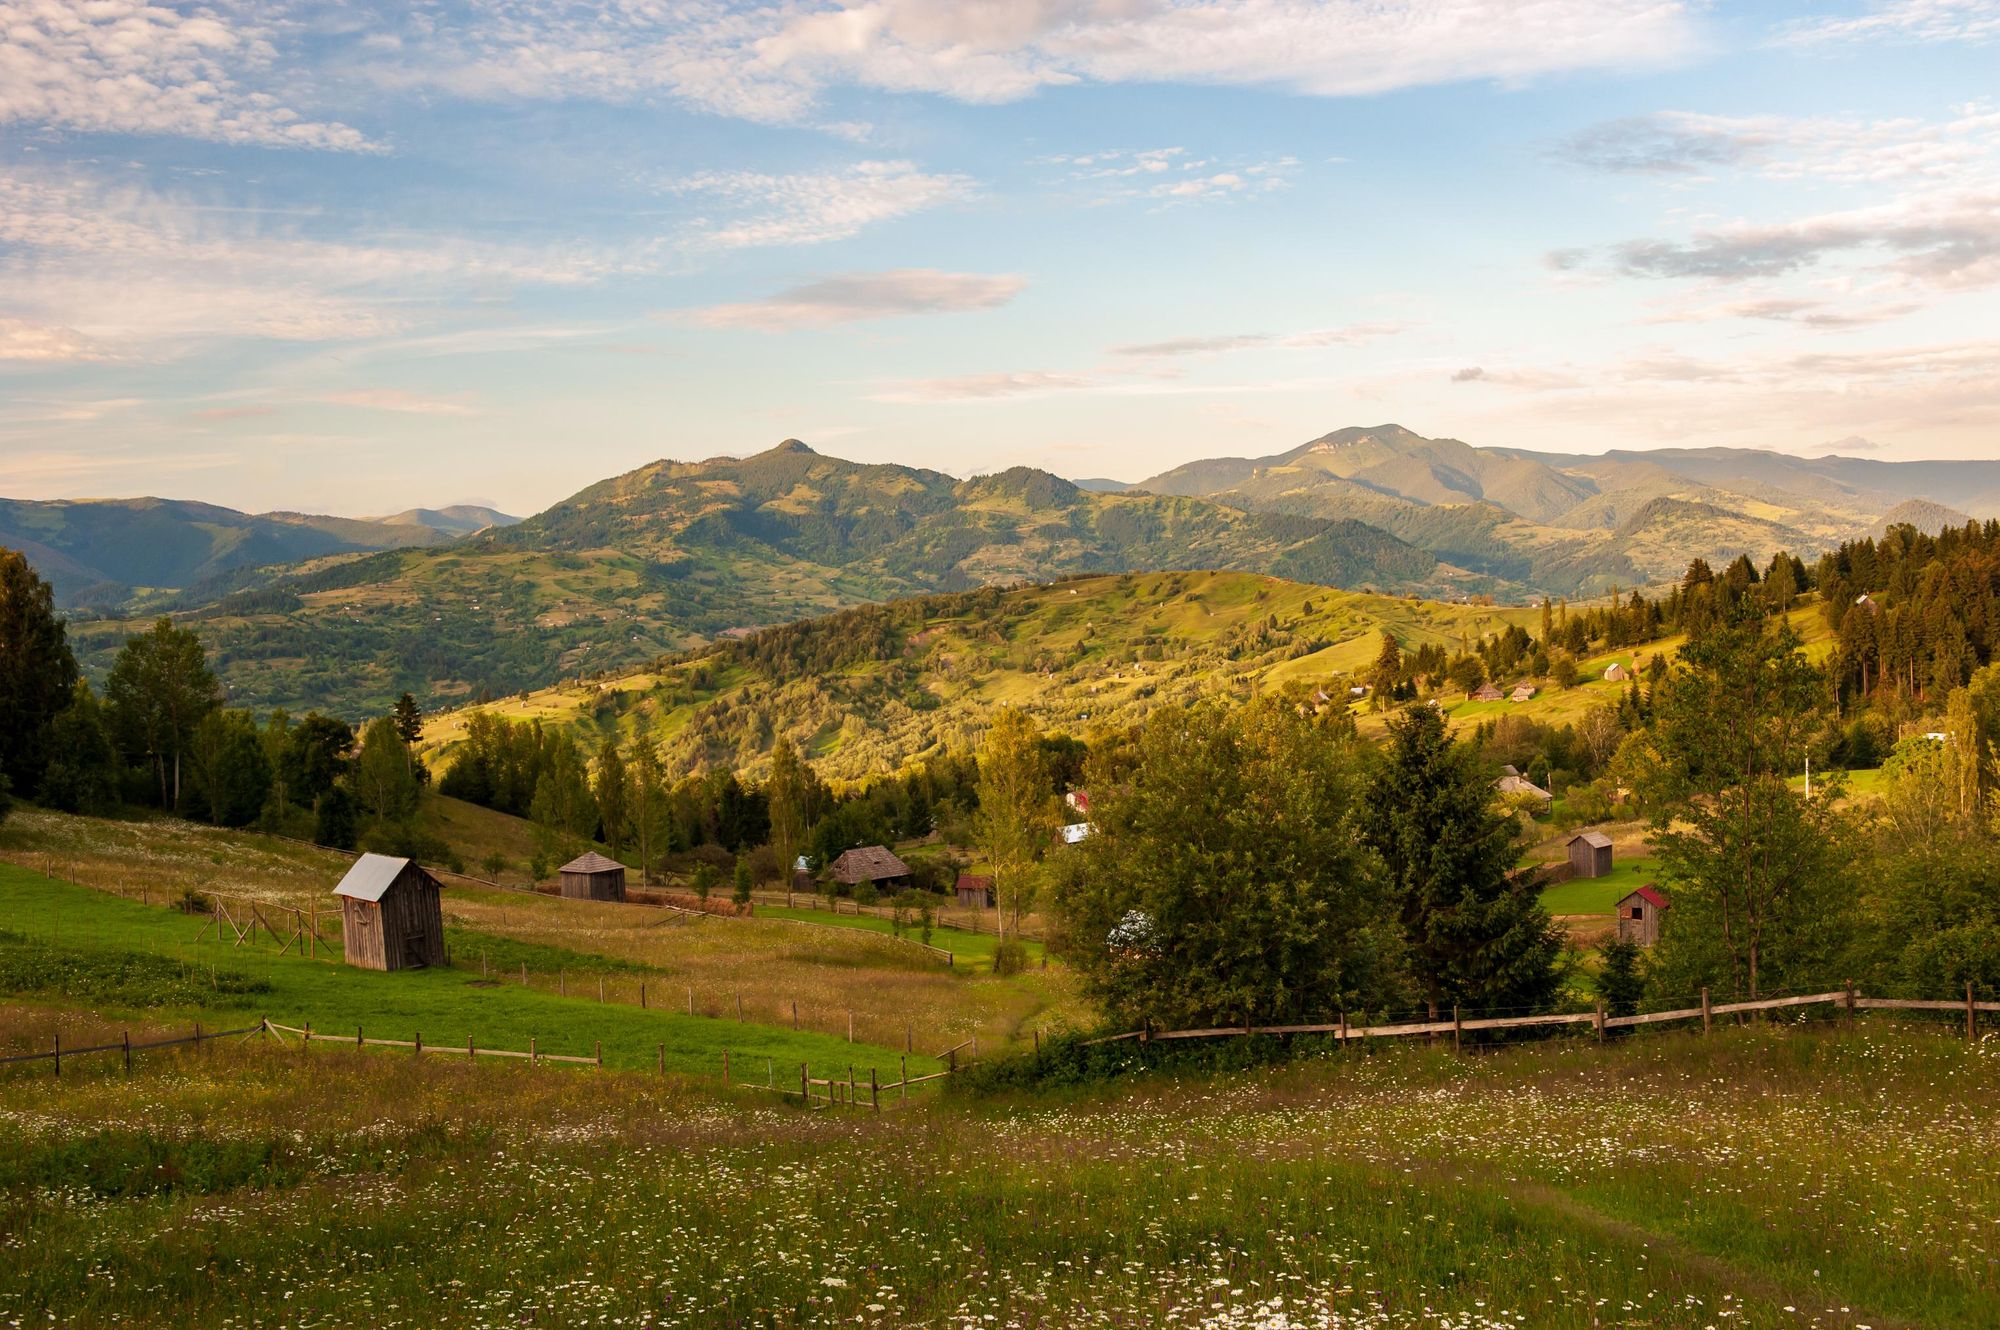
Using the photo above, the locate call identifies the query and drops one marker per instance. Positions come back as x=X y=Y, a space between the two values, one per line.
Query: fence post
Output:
x=1458 y=1030
x=953 y=1055
x=600 y=988
x=1599 y=1022
x=470 y=1055
x=1038 y=1041
x=128 y=1052
x=1343 y=1030
x=805 y=1086
x=850 y=1027
x=597 y=1046
x=1145 y=1029
x=906 y=1076
x=661 y=1053
x=909 y=1037
x=357 y=1037
x=534 y=1054
x=725 y=1068
x=642 y=995
x=1705 y=1018
x=1848 y=1004
x=739 y=1004
x=197 y=1042
x=59 y=1053
x=850 y=1077
x=524 y=974
x=1971 y=1015
x=874 y=1091
x=418 y=1044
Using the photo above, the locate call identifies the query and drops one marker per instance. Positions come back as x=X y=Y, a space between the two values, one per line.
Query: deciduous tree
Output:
x=1017 y=808
x=159 y=689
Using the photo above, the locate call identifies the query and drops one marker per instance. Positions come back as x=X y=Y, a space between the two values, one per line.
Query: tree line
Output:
x=160 y=735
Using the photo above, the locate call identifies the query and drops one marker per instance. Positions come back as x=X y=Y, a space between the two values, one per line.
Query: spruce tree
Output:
x=37 y=671
x=1620 y=980
x=1474 y=935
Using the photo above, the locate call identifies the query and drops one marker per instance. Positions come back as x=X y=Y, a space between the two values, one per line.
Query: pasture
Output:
x=1763 y=1177
x=894 y=992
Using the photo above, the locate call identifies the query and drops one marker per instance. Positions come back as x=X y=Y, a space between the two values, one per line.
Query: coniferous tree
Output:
x=37 y=671
x=83 y=771
x=335 y=822
x=614 y=797
x=1474 y=934
x=231 y=777
x=1621 y=979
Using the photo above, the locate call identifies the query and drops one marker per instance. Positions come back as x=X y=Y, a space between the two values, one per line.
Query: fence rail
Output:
x=1848 y=998
x=57 y=1052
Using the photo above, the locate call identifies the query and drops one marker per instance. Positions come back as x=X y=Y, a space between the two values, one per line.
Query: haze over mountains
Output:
x=452 y=603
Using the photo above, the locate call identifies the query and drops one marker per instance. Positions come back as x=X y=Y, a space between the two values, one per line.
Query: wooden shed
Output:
x=975 y=891
x=1639 y=916
x=391 y=914
x=871 y=863
x=1590 y=854
x=592 y=877
x=1486 y=692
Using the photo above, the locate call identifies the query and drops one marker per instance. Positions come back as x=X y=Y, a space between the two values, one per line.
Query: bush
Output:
x=1010 y=957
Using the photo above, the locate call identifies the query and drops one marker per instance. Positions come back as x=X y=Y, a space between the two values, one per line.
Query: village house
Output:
x=871 y=863
x=1520 y=785
x=391 y=914
x=1639 y=916
x=1486 y=692
x=1616 y=673
x=975 y=891
x=592 y=877
x=1590 y=854
x=1523 y=692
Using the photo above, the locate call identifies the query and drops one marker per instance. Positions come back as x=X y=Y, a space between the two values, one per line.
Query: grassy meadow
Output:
x=1762 y=1177
x=894 y=993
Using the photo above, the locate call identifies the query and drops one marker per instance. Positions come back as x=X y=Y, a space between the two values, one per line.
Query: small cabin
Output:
x=1639 y=916
x=1616 y=673
x=975 y=891
x=1516 y=784
x=391 y=914
x=1590 y=854
x=871 y=863
x=1486 y=692
x=1523 y=692
x=592 y=877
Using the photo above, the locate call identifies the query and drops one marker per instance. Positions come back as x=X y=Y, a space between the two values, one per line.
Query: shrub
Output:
x=1010 y=957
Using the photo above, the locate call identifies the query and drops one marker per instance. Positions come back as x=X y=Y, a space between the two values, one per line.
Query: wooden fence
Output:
x=1848 y=999
x=56 y=1053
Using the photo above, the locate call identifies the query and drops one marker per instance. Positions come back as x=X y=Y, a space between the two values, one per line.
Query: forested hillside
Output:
x=674 y=554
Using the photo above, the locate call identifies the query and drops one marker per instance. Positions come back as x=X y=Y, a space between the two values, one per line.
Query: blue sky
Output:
x=356 y=257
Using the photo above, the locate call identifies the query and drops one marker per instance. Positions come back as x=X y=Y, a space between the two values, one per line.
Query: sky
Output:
x=353 y=257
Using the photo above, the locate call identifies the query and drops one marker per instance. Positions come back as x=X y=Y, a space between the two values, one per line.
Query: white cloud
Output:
x=1351 y=335
x=129 y=67
x=814 y=207
x=23 y=340
x=1845 y=150
x=976 y=387
x=773 y=63
x=401 y=402
x=856 y=297
x=126 y=271
x=1924 y=21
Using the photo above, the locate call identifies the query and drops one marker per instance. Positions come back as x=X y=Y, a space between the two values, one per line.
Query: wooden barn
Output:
x=1639 y=916
x=1590 y=854
x=871 y=863
x=975 y=891
x=1486 y=692
x=391 y=914
x=592 y=877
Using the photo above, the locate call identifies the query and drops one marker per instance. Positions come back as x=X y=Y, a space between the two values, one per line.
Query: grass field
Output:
x=892 y=991
x=445 y=1005
x=1776 y=1176
x=973 y=951
x=1597 y=895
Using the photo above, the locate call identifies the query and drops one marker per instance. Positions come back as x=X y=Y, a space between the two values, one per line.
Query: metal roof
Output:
x=592 y=862
x=1650 y=894
x=371 y=876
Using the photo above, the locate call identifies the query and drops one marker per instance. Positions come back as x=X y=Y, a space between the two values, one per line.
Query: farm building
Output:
x=871 y=863
x=1515 y=783
x=1486 y=692
x=1616 y=673
x=1639 y=916
x=592 y=877
x=1523 y=692
x=1590 y=854
x=390 y=914
x=975 y=891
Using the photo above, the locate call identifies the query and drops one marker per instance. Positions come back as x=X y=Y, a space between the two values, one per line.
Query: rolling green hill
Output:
x=867 y=689
x=674 y=555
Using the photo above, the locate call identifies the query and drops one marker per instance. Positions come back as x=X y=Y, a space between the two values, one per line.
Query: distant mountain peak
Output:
x=796 y=447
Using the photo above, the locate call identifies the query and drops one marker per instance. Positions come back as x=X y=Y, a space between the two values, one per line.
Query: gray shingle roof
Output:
x=592 y=862
x=869 y=863
x=371 y=876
